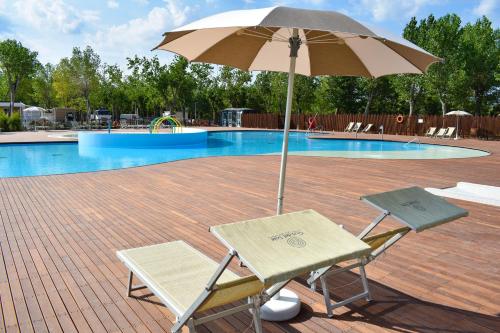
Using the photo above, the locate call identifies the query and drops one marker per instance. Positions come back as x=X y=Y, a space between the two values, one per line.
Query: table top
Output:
x=279 y=248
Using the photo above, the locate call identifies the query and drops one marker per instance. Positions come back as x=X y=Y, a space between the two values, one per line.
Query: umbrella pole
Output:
x=294 y=48
x=284 y=304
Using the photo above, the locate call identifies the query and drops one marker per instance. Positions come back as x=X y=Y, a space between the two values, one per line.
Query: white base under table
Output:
x=284 y=306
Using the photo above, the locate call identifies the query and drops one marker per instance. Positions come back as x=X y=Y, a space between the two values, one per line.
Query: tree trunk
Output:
x=12 y=98
x=87 y=106
x=444 y=106
x=412 y=107
x=368 y=103
x=479 y=102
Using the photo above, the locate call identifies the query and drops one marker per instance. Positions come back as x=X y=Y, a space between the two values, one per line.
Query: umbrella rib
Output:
x=275 y=33
x=320 y=36
x=263 y=37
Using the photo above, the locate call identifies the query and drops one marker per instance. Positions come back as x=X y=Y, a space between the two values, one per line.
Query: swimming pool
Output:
x=58 y=158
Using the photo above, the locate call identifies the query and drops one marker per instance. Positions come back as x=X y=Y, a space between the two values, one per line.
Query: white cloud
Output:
x=138 y=35
x=485 y=7
x=113 y=4
x=382 y=10
x=55 y=14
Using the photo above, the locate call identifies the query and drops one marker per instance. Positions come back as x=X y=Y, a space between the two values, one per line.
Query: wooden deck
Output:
x=59 y=234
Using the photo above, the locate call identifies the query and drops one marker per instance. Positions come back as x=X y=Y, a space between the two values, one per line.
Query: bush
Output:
x=4 y=127
x=14 y=122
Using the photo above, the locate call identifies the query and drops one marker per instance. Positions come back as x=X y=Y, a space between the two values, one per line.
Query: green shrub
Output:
x=4 y=127
x=14 y=122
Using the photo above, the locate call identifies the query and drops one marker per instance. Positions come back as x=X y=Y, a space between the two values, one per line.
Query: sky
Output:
x=117 y=29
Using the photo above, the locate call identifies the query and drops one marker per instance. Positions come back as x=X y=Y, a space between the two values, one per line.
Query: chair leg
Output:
x=313 y=284
x=326 y=295
x=190 y=325
x=257 y=322
x=365 y=282
x=129 y=286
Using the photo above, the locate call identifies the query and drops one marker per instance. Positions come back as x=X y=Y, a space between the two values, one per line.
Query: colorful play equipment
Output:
x=155 y=125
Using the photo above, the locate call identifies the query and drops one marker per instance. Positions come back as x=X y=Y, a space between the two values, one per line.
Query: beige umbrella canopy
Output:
x=331 y=43
x=316 y=42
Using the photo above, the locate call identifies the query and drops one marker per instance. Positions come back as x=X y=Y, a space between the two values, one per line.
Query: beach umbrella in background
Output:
x=458 y=113
x=314 y=42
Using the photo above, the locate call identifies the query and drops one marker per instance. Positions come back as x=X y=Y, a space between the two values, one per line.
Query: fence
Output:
x=471 y=126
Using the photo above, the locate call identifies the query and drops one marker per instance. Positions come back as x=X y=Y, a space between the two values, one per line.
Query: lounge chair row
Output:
x=443 y=133
x=276 y=250
x=356 y=127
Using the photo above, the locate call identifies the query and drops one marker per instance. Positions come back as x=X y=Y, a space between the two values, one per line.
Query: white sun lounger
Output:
x=413 y=207
x=441 y=133
x=275 y=249
x=356 y=127
x=190 y=283
x=367 y=128
x=431 y=131
x=349 y=127
x=449 y=132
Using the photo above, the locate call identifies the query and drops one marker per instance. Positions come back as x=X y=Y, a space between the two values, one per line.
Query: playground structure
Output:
x=155 y=125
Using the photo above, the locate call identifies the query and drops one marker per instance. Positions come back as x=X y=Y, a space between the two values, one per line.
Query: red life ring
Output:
x=400 y=119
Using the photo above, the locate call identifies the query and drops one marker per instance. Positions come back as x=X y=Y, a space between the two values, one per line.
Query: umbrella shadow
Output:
x=397 y=311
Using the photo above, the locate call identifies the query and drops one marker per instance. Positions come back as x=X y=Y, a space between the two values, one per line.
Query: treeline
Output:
x=467 y=79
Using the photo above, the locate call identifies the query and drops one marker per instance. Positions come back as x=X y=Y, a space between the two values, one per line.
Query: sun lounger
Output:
x=275 y=249
x=440 y=133
x=349 y=127
x=449 y=132
x=431 y=131
x=356 y=127
x=415 y=208
x=367 y=128
x=189 y=283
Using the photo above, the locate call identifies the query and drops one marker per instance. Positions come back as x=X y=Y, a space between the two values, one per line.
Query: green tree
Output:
x=17 y=63
x=480 y=50
x=84 y=66
x=64 y=83
x=111 y=88
x=446 y=78
x=304 y=93
x=43 y=86
x=202 y=76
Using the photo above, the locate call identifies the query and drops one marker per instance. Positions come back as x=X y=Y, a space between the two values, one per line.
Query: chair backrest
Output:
x=368 y=127
x=441 y=132
x=416 y=208
x=349 y=127
x=356 y=127
x=229 y=292
x=449 y=131
x=431 y=131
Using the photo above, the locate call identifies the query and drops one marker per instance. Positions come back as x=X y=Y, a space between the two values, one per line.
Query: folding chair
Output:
x=190 y=283
x=449 y=133
x=356 y=127
x=431 y=131
x=413 y=207
x=349 y=127
x=367 y=128
x=441 y=133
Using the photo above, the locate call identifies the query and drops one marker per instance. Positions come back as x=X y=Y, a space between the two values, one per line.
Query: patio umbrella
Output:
x=458 y=113
x=316 y=42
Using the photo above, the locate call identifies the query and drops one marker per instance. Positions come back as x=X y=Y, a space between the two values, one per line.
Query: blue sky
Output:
x=120 y=28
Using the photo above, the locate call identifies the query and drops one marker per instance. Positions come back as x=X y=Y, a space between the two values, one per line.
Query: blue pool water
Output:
x=57 y=158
